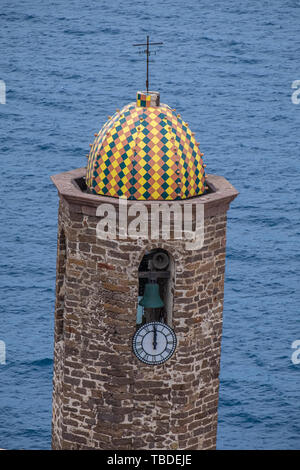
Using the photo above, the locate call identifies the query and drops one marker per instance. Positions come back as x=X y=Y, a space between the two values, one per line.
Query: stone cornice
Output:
x=218 y=200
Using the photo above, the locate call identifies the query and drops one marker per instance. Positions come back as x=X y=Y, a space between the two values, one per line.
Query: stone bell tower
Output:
x=138 y=318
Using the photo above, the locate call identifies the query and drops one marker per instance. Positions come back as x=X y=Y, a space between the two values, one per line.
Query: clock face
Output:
x=154 y=343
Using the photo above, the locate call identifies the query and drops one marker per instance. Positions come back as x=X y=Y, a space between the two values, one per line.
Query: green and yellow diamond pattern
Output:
x=146 y=153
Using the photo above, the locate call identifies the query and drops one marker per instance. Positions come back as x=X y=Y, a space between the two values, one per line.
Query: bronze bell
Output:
x=151 y=298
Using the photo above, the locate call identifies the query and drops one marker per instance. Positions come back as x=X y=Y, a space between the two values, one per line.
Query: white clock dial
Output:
x=154 y=343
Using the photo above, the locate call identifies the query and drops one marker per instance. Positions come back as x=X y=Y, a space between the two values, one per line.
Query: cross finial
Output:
x=147 y=51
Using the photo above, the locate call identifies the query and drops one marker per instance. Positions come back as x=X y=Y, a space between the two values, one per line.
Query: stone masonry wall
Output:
x=103 y=396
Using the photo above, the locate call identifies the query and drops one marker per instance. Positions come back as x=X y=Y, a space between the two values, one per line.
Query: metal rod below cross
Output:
x=148 y=54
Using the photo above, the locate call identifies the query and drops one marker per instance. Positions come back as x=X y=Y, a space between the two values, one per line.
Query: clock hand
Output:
x=154 y=337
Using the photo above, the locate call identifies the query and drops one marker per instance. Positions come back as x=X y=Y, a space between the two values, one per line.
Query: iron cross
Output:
x=148 y=54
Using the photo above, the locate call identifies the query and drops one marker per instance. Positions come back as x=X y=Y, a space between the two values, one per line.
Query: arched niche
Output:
x=156 y=267
x=60 y=285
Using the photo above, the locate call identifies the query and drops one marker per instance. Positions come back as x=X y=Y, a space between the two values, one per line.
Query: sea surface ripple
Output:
x=227 y=67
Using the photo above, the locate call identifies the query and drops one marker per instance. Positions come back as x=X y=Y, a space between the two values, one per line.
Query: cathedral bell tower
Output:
x=140 y=286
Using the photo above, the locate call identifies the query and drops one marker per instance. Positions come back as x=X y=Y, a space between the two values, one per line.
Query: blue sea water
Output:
x=227 y=67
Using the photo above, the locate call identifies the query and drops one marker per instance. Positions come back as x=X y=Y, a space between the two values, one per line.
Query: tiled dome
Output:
x=146 y=152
